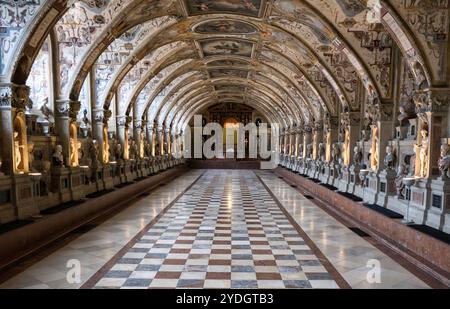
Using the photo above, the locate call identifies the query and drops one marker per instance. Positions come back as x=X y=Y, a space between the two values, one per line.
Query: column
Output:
x=137 y=130
x=317 y=132
x=7 y=148
x=98 y=117
x=291 y=142
x=331 y=135
x=167 y=146
x=306 y=139
x=121 y=122
x=150 y=136
x=160 y=141
x=298 y=136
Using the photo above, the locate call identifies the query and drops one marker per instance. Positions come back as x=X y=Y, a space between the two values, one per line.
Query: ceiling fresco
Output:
x=244 y=7
x=225 y=27
x=228 y=73
x=301 y=58
x=227 y=47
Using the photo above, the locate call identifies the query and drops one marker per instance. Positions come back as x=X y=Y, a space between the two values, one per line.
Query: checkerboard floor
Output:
x=226 y=231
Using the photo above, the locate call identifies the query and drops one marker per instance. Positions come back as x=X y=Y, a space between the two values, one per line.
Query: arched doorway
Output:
x=230 y=136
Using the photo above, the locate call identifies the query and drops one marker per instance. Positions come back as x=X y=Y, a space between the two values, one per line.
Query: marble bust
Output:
x=58 y=158
x=389 y=159
x=357 y=156
x=444 y=161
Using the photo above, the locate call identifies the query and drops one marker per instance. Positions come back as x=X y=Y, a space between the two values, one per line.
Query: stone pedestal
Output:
x=325 y=175
x=333 y=174
x=7 y=211
x=61 y=183
x=129 y=175
x=120 y=172
x=107 y=177
x=387 y=186
x=401 y=132
x=77 y=183
x=419 y=196
x=296 y=162
x=317 y=169
x=440 y=203
x=354 y=179
x=345 y=181
x=372 y=189
x=97 y=178
x=26 y=189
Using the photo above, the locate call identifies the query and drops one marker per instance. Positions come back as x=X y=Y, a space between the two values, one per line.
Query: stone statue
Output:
x=31 y=157
x=142 y=146
x=309 y=151
x=105 y=149
x=389 y=159
x=375 y=149
x=93 y=153
x=75 y=148
x=336 y=152
x=423 y=153
x=357 y=156
x=118 y=152
x=412 y=166
x=399 y=184
x=112 y=149
x=58 y=157
x=322 y=152
x=46 y=178
x=444 y=161
x=46 y=112
x=147 y=149
x=17 y=151
x=133 y=150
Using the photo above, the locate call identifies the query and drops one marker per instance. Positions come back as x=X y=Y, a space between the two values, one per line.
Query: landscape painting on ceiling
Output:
x=231 y=89
x=228 y=73
x=244 y=7
x=225 y=26
x=226 y=48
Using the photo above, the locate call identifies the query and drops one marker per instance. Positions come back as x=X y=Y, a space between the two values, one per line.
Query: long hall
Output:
x=225 y=144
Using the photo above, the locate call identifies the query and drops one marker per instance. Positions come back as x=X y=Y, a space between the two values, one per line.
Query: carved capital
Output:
x=121 y=121
x=62 y=108
x=98 y=115
x=75 y=107
x=17 y=96
x=431 y=100
x=137 y=124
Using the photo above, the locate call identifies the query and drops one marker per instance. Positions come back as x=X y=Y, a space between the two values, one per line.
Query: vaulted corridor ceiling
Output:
x=295 y=61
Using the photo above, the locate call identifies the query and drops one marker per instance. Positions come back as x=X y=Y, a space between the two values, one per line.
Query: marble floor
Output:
x=219 y=229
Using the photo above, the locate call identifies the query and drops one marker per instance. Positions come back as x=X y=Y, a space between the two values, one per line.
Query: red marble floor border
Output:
x=382 y=229
x=91 y=282
x=316 y=251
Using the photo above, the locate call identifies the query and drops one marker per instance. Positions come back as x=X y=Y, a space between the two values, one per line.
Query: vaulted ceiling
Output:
x=296 y=61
